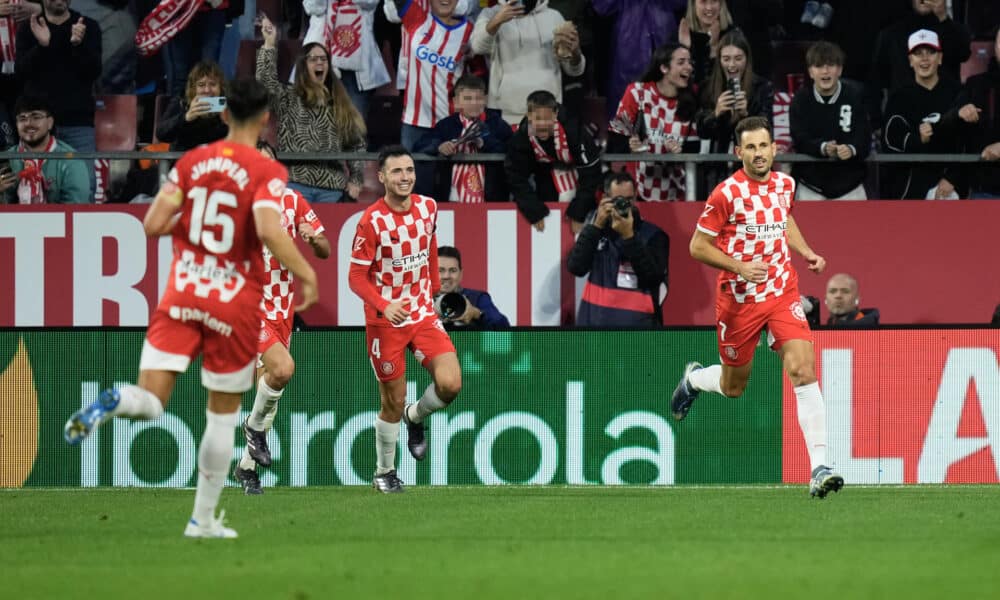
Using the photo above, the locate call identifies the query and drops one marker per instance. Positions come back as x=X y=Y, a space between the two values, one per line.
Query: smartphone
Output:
x=529 y=5
x=215 y=103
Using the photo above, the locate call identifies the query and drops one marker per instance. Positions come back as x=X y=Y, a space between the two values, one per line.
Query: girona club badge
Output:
x=797 y=310
x=345 y=40
x=388 y=368
x=731 y=352
x=785 y=199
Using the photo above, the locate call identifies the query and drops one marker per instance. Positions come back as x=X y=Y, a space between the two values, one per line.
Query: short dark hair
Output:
x=388 y=152
x=752 y=124
x=618 y=177
x=246 y=98
x=450 y=252
x=263 y=144
x=469 y=82
x=30 y=102
x=542 y=99
x=824 y=53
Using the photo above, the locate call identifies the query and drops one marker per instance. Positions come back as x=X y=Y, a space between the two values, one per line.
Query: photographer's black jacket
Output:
x=841 y=118
x=601 y=253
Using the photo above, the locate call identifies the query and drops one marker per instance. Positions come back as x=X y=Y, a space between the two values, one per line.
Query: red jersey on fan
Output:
x=400 y=251
x=749 y=220
x=278 y=294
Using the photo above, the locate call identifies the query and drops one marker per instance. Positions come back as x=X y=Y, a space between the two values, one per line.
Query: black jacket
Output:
x=984 y=91
x=891 y=65
x=600 y=254
x=719 y=130
x=908 y=107
x=841 y=118
x=62 y=73
x=496 y=135
x=521 y=166
x=863 y=318
x=184 y=135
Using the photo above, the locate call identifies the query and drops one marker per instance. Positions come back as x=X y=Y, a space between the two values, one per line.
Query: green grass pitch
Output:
x=508 y=542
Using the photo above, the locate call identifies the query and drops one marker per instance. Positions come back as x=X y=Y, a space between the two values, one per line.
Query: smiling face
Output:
x=825 y=77
x=33 y=128
x=733 y=60
x=451 y=274
x=443 y=9
x=318 y=65
x=925 y=62
x=708 y=11
x=756 y=150
x=56 y=8
x=398 y=176
x=207 y=86
x=678 y=72
x=541 y=122
x=841 y=294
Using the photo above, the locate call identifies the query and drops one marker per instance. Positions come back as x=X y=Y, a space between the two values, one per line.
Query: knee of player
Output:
x=732 y=390
x=281 y=373
x=448 y=387
x=801 y=373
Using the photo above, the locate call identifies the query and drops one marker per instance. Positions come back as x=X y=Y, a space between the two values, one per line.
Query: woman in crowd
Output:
x=194 y=120
x=657 y=115
x=701 y=30
x=315 y=114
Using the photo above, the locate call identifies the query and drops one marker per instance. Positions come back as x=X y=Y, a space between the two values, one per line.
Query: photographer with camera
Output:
x=461 y=307
x=627 y=260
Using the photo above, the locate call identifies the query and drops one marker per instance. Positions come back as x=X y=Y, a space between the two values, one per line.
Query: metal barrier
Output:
x=691 y=161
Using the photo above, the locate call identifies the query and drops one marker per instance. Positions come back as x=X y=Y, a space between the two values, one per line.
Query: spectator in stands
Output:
x=347 y=30
x=701 y=30
x=552 y=159
x=200 y=39
x=59 y=58
x=41 y=181
x=843 y=301
x=891 y=67
x=657 y=115
x=828 y=120
x=315 y=114
x=527 y=52
x=13 y=13
x=639 y=29
x=472 y=129
x=733 y=91
x=190 y=121
x=118 y=53
x=984 y=93
x=625 y=259
x=480 y=311
x=929 y=115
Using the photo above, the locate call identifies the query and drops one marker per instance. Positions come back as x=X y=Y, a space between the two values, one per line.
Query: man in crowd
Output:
x=479 y=310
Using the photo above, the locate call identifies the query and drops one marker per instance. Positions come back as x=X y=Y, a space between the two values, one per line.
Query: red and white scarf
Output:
x=468 y=180
x=8 y=35
x=563 y=173
x=32 y=183
x=160 y=26
x=342 y=33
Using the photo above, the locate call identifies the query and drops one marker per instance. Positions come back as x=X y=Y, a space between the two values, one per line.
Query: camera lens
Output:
x=622 y=205
x=452 y=305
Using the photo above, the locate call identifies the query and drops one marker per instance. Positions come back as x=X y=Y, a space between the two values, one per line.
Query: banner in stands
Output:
x=93 y=266
x=905 y=407
x=536 y=407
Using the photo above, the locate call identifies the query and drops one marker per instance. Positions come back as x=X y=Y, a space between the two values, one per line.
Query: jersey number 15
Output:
x=205 y=213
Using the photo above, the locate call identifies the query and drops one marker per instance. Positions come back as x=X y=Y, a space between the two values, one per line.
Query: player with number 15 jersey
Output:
x=212 y=301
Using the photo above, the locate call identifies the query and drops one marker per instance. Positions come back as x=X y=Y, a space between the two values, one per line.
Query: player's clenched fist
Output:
x=396 y=313
x=754 y=271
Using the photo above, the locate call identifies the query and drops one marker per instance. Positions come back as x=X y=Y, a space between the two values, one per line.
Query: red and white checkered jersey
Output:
x=397 y=248
x=748 y=219
x=278 y=294
x=216 y=249
x=435 y=58
x=642 y=100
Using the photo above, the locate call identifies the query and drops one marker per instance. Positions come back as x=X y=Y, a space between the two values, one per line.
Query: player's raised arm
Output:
x=797 y=242
x=269 y=230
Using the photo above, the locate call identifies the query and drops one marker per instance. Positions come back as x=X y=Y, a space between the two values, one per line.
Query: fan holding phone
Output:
x=195 y=119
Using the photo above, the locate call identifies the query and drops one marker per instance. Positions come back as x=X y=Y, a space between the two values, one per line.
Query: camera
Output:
x=622 y=205
x=450 y=306
x=734 y=85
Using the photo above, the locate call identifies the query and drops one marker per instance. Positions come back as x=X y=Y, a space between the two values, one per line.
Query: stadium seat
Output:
x=385 y=116
x=115 y=121
x=158 y=108
x=789 y=57
x=979 y=62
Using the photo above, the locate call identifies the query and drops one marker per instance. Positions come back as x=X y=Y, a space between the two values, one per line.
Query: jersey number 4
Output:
x=205 y=213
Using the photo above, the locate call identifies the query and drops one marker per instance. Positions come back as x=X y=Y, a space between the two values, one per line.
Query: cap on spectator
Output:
x=923 y=37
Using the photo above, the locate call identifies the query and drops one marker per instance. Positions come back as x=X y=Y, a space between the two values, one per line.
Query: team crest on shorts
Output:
x=797 y=311
x=731 y=352
x=388 y=368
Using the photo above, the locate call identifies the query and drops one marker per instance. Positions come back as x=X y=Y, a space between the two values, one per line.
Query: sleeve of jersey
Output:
x=362 y=256
x=715 y=215
x=272 y=186
x=628 y=111
x=305 y=214
x=412 y=13
x=432 y=264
